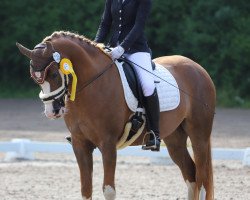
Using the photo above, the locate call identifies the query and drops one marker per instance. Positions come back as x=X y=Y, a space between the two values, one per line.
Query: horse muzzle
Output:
x=55 y=109
x=54 y=105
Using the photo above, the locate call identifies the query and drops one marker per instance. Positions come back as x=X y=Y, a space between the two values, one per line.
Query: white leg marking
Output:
x=84 y=198
x=109 y=192
x=202 y=193
x=191 y=187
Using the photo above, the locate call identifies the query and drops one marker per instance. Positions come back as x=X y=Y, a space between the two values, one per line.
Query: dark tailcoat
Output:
x=125 y=22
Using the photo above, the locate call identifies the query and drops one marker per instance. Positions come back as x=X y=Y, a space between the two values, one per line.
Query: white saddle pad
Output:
x=168 y=91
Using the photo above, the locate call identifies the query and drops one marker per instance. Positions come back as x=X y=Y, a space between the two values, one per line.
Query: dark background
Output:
x=214 y=33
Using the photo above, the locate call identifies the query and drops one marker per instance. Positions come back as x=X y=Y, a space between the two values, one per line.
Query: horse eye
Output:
x=54 y=75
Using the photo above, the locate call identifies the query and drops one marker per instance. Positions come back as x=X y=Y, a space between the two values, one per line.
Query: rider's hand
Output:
x=117 y=52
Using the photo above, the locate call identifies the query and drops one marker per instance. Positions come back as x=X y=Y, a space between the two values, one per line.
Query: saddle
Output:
x=132 y=77
x=137 y=120
x=133 y=80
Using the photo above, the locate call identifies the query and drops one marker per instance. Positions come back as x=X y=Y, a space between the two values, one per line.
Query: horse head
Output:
x=45 y=71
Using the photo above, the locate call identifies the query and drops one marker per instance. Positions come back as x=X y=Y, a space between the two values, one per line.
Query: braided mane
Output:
x=82 y=39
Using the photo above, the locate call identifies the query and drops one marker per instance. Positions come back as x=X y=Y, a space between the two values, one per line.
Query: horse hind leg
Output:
x=204 y=172
x=199 y=133
x=177 y=148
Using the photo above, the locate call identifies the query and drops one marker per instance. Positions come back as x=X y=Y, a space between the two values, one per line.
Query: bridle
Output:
x=58 y=93
x=39 y=77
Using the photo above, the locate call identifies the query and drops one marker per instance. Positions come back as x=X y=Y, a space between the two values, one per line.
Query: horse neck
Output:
x=103 y=100
x=87 y=60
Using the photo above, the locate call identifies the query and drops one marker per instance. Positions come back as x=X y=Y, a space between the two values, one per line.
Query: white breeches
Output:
x=143 y=59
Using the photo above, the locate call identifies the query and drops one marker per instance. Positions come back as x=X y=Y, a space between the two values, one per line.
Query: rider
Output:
x=127 y=19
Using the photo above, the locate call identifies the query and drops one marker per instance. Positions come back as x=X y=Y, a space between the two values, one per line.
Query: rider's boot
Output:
x=153 y=114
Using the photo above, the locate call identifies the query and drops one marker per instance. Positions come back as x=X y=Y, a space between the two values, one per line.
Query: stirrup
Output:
x=155 y=146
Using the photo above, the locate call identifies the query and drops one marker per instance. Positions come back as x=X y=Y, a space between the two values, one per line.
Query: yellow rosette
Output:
x=67 y=68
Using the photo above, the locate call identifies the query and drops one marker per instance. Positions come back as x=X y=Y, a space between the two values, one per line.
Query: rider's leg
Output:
x=153 y=114
x=143 y=59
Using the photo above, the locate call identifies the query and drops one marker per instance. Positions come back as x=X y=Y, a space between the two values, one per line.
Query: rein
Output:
x=109 y=66
x=182 y=90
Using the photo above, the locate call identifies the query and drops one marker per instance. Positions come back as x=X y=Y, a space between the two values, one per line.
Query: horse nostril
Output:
x=58 y=104
x=56 y=107
x=56 y=111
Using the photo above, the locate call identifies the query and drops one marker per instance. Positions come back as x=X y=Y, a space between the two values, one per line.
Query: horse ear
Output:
x=25 y=51
x=49 y=50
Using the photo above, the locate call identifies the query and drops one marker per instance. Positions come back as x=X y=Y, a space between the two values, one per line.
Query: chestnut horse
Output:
x=97 y=116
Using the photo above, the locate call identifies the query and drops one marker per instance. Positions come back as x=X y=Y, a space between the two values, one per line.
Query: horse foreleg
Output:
x=84 y=155
x=109 y=163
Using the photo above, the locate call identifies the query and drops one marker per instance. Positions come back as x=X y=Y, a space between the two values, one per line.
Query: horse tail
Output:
x=204 y=188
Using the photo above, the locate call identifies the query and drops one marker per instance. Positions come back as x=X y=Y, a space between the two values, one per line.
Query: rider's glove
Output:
x=117 y=52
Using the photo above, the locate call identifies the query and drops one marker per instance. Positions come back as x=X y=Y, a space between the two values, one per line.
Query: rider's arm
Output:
x=105 y=24
x=140 y=21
